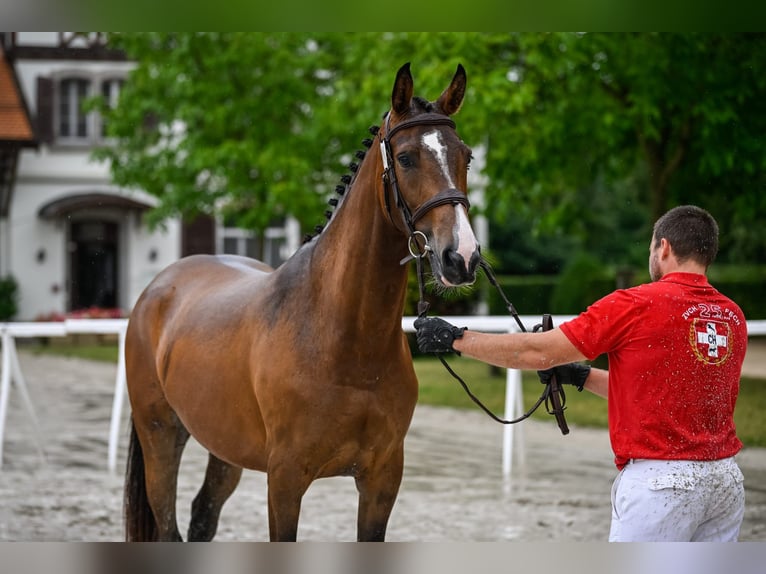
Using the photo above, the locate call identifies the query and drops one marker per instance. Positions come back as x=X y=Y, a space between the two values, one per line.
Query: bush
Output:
x=584 y=280
x=529 y=294
x=743 y=284
x=8 y=298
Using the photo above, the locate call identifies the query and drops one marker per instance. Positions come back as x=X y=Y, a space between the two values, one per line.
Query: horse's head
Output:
x=425 y=173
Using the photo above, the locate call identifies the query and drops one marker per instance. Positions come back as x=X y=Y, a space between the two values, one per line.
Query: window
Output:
x=238 y=241
x=62 y=117
x=72 y=119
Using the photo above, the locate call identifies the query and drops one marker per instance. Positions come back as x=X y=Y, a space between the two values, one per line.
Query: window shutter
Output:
x=198 y=235
x=44 y=124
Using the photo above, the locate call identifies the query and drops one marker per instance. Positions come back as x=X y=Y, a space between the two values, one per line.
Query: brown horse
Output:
x=303 y=371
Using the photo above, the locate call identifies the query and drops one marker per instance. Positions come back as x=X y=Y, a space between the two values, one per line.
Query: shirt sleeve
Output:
x=604 y=325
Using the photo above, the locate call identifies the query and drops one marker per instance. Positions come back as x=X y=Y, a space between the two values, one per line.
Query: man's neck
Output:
x=687 y=267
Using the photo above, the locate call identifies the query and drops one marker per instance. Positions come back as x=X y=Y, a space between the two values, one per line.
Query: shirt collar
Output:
x=694 y=279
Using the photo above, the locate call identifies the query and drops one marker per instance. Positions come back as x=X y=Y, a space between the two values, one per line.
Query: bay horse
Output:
x=302 y=371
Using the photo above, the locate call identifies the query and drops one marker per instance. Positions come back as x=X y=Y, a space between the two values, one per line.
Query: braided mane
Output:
x=342 y=187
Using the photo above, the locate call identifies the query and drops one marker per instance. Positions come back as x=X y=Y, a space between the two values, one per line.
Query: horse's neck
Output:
x=359 y=255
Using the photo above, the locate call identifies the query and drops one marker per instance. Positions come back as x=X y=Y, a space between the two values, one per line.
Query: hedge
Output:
x=8 y=298
x=572 y=293
x=744 y=284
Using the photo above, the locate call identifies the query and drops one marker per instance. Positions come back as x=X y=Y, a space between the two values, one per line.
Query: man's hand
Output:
x=436 y=335
x=570 y=374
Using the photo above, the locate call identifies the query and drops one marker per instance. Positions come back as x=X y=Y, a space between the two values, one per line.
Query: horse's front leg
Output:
x=378 y=487
x=287 y=483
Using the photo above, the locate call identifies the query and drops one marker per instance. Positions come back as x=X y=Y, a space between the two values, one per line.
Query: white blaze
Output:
x=433 y=141
x=466 y=240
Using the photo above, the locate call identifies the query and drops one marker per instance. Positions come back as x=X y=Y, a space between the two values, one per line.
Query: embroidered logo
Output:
x=711 y=340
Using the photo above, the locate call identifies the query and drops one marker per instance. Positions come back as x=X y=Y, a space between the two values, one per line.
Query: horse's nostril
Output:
x=454 y=270
x=453 y=259
x=473 y=263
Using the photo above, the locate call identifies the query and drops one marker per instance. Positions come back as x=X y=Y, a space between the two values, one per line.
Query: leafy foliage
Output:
x=610 y=130
x=9 y=295
x=589 y=137
x=222 y=122
x=583 y=281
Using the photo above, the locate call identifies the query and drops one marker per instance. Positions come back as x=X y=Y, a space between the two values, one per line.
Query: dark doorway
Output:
x=93 y=265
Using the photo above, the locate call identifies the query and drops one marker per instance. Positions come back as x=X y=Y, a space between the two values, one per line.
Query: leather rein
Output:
x=553 y=395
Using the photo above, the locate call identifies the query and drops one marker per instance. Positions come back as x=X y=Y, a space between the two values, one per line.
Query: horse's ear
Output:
x=452 y=97
x=402 y=93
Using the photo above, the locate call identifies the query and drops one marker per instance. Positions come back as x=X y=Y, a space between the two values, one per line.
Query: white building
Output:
x=70 y=238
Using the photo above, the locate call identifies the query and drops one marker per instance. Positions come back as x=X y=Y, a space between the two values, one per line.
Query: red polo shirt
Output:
x=675 y=349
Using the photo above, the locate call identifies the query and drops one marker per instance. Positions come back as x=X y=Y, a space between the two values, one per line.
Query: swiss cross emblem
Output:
x=711 y=340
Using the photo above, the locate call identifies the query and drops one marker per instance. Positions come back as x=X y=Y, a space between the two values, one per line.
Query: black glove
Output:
x=436 y=335
x=570 y=374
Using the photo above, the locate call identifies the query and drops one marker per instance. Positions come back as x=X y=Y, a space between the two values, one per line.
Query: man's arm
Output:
x=531 y=351
x=598 y=382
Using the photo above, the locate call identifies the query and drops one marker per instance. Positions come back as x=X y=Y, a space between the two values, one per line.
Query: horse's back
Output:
x=186 y=287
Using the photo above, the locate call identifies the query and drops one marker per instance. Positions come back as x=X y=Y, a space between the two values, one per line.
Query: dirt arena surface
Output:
x=453 y=488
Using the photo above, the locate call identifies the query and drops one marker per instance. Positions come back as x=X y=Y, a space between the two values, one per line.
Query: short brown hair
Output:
x=692 y=233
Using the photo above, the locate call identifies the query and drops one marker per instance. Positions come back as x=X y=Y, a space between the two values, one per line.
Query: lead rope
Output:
x=546 y=395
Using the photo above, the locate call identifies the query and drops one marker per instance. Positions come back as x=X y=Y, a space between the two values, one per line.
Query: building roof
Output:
x=15 y=125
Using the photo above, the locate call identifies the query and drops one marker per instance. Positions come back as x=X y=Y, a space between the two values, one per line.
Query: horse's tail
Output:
x=140 y=525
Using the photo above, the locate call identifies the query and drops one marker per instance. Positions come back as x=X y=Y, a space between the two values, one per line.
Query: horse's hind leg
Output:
x=221 y=478
x=163 y=438
x=378 y=488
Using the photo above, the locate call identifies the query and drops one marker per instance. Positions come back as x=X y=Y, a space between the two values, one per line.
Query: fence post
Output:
x=12 y=373
x=513 y=409
x=119 y=396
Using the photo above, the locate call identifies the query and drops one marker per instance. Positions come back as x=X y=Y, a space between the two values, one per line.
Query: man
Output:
x=675 y=348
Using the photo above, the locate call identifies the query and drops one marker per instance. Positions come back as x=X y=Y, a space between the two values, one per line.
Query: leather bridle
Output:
x=391 y=186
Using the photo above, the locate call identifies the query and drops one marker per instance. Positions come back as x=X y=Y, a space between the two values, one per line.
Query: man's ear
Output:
x=665 y=249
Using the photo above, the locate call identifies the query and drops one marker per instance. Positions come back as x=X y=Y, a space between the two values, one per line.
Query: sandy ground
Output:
x=453 y=487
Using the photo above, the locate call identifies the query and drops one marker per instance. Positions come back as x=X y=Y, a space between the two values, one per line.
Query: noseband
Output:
x=445 y=197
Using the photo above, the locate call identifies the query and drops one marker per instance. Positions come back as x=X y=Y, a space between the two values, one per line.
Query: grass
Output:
x=748 y=416
x=438 y=388
x=93 y=352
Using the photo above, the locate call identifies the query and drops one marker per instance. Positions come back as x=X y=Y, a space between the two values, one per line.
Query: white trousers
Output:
x=678 y=501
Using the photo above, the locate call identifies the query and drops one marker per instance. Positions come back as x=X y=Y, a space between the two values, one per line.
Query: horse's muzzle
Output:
x=455 y=271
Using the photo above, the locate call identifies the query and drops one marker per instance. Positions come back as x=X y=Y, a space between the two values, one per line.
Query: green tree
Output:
x=223 y=122
x=655 y=119
x=587 y=135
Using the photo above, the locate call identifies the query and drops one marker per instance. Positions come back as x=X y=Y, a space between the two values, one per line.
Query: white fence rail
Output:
x=11 y=374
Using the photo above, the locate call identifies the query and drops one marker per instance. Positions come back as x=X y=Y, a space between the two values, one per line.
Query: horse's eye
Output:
x=405 y=160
